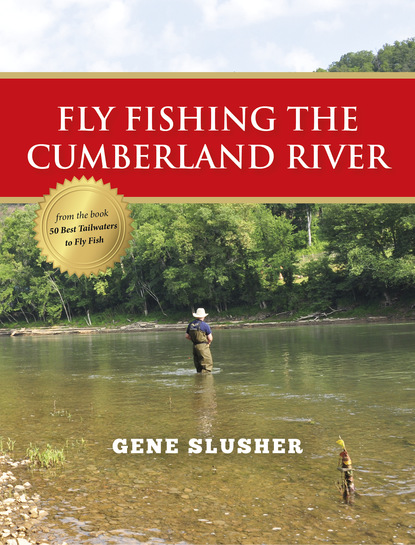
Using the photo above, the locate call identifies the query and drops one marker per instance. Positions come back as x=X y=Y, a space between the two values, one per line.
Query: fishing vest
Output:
x=196 y=334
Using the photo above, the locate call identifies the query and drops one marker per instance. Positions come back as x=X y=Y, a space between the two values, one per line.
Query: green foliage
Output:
x=181 y=256
x=399 y=57
x=224 y=255
x=25 y=282
x=362 y=61
x=373 y=243
x=46 y=457
x=321 y=288
x=219 y=256
x=6 y=445
x=7 y=289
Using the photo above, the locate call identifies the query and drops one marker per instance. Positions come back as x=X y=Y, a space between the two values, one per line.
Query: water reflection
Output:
x=311 y=383
x=204 y=403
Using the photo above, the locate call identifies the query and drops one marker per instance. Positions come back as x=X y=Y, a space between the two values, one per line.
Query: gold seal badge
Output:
x=83 y=226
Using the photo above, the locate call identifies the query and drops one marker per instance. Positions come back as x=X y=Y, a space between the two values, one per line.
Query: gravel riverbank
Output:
x=22 y=520
x=137 y=327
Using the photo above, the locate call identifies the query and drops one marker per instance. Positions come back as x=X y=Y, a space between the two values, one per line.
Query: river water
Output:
x=310 y=383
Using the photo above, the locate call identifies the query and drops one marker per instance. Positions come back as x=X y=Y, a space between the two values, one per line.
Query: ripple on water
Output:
x=102 y=498
x=179 y=372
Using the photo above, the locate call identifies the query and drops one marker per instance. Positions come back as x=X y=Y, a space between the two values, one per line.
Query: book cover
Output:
x=266 y=215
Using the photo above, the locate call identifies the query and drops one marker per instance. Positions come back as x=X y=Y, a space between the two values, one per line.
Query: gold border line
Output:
x=207 y=75
x=202 y=200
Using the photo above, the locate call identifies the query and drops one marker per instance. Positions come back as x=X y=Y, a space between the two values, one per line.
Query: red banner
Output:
x=210 y=137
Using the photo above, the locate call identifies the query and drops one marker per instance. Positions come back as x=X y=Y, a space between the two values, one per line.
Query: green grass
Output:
x=6 y=445
x=247 y=313
x=46 y=457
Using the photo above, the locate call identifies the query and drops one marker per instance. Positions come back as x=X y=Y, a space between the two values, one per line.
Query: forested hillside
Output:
x=399 y=57
x=285 y=258
x=222 y=257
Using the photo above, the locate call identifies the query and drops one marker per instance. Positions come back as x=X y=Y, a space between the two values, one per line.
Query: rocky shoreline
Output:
x=136 y=327
x=20 y=513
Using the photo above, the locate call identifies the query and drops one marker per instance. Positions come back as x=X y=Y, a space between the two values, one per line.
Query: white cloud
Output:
x=328 y=25
x=240 y=11
x=194 y=35
x=232 y=13
x=111 y=32
x=24 y=21
x=301 y=60
x=271 y=57
x=237 y=13
x=67 y=34
x=190 y=63
x=172 y=39
x=176 y=48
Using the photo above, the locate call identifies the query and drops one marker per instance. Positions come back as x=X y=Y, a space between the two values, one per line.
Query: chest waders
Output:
x=202 y=357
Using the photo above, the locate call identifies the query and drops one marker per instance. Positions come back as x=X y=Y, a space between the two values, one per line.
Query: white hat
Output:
x=200 y=313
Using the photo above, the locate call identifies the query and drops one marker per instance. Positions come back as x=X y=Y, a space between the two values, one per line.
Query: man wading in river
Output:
x=201 y=336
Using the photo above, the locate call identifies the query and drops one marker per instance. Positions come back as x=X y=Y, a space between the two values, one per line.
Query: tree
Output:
x=192 y=252
x=301 y=216
x=362 y=61
x=26 y=283
x=6 y=291
x=399 y=57
x=323 y=284
x=274 y=250
x=373 y=243
x=217 y=254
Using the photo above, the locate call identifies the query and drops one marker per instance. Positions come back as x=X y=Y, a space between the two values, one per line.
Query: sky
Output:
x=194 y=35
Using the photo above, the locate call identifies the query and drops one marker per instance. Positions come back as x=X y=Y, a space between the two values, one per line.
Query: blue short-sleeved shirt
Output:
x=203 y=326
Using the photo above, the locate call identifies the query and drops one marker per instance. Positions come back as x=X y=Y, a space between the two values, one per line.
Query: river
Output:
x=309 y=383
